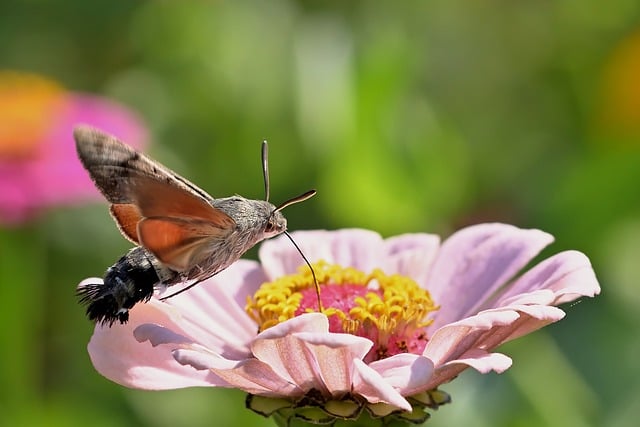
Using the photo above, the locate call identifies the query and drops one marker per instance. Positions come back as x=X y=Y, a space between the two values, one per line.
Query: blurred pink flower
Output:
x=38 y=163
x=382 y=343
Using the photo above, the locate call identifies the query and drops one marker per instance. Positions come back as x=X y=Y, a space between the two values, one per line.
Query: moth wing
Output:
x=127 y=216
x=179 y=243
x=139 y=187
x=110 y=163
x=157 y=199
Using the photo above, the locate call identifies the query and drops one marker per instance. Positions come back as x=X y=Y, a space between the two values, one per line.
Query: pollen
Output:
x=390 y=310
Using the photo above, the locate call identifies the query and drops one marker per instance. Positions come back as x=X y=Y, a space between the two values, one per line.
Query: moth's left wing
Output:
x=177 y=242
x=152 y=205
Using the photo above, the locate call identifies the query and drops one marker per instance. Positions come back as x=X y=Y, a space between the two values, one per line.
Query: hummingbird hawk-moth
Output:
x=181 y=233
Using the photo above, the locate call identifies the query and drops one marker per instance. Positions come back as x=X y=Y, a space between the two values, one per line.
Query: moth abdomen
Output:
x=130 y=280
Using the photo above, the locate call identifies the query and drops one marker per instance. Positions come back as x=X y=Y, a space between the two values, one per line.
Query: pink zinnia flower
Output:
x=38 y=162
x=401 y=317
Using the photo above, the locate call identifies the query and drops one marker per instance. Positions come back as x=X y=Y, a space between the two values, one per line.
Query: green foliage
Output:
x=406 y=116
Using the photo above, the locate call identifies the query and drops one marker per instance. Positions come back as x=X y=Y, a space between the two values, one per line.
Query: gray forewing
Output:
x=111 y=163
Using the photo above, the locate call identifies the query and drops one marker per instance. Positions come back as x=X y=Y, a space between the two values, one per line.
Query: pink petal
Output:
x=451 y=341
x=369 y=384
x=407 y=373
x=537 y=297
x=289 y=358
x=117 y=355
x=311 y=359
x=308 y=322
x=333 y=355
x=208 y=315
x=201 y=359
x=478 y=359
x=211 y=313
x=158 y=335
x=540 y=312
x=485 y=331
x=267 y=382
x=287 y=355
x=475 y=262
x=484 y=362
x=411 y=255
x=357 y=346
x=251 y=375
x=361 y=249
x=411 y=242
x=532 y=319
x=568 y=274
x=18 y=203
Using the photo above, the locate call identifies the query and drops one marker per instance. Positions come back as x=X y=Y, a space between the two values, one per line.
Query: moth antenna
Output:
x=313 y=273
x=301 y=198
x=265 y=168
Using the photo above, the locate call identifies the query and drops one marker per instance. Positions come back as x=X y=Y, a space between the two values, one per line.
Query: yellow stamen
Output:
x=386 y=304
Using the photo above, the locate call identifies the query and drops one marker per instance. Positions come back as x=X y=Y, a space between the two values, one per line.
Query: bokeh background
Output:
x=406 y=116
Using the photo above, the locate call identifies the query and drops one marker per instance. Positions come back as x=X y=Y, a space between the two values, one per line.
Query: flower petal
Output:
x=315 y=359
x=333 y=355
x=475 y=262
x=361 y=249
x=407 y=373
x=307 y=322
x=201 y=359
x=287 y=355
x=200 y=328
x=251 y=375
x=481 y=360
x=461 y=342
x=568 y=274
x=117 y=355
x=289 y=358
x=208 y=314
x=212 y=313
x=451 y=341
x=158 y=335
x=538 y=297
x=533 y=317
x=485 y=362
x=369 y=384
x=411 y=255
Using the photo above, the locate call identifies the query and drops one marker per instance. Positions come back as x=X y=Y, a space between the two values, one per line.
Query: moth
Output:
x=181 y=233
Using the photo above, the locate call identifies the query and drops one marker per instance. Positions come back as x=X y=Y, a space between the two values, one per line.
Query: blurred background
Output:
x=406 y=116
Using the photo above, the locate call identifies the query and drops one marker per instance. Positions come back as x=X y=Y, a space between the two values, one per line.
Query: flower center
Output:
x=390 y=310
x=28 y=105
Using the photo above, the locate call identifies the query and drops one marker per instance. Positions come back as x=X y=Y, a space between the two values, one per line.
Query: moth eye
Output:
x=271 y=225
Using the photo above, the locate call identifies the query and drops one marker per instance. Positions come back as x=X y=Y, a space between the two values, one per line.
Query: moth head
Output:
x=276 y=224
